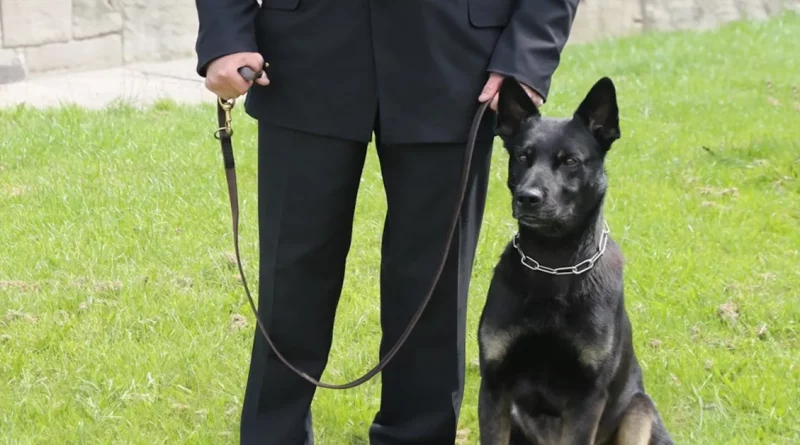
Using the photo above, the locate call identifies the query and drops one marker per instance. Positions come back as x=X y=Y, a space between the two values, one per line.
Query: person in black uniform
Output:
x=411 y=72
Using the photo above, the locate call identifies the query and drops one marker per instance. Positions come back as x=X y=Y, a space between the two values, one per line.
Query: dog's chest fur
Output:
x=546 y=339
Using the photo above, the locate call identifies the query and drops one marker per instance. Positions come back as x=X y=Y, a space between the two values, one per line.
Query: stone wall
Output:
x=616 y=18
x=38 y=36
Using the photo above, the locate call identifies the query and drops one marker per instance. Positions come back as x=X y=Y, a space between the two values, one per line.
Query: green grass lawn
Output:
x=122 y=321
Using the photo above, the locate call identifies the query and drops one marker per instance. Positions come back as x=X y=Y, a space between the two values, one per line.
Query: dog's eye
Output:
x=571 y=162
x=523 y=158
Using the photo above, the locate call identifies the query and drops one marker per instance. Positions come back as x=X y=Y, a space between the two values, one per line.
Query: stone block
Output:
x=764 y=9
x=772 y=7
x=597 y=19
x=753 y=9
x=92 y=18
x=657 y=16
x=12 y=66
x=29 y=23
x=155 y=30
x=716 y=12
x=669 y=15
x=87 y=54
x=683 y=14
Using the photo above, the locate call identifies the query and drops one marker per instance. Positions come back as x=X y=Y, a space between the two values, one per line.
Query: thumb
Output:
x=254 y=61
x=263 y=80
x=491 y=87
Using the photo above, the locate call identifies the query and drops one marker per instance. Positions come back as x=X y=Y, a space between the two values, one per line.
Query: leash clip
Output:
x=227 y=106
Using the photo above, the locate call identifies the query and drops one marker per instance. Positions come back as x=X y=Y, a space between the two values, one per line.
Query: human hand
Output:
x=224 y=80
x=492 y=88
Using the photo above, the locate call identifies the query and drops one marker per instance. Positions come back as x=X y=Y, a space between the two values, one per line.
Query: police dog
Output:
x=556 y=354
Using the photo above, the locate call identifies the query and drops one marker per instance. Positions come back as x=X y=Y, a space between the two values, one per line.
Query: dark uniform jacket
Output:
x=412 y=68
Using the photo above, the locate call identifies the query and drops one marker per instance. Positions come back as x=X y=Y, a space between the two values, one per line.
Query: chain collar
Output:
x=583 y=266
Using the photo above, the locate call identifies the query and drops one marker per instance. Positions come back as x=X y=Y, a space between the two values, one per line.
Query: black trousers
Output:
x=307 y=194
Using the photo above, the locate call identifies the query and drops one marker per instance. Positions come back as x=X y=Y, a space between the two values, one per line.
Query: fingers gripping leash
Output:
x=224 y=134
x=225 y=118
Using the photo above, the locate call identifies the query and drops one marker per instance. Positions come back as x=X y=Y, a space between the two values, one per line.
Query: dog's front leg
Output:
x=581 y=419
x=494 y=415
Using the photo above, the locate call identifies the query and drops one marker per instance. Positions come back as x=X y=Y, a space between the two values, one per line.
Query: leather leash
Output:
x=224 y=133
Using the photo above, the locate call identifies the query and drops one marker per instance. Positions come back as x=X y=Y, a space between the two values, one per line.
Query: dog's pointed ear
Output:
x=600 y=114
x=514 y=106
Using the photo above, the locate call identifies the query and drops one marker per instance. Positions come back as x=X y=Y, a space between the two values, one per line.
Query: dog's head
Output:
x=555 y=168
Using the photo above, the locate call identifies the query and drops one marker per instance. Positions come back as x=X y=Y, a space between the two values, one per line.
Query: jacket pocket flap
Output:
x=490 y=13
x=287 y=5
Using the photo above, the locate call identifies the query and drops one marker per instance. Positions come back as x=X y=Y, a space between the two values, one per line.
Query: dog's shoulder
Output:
x=605 y=279
x=502 y=320
x=507 y=289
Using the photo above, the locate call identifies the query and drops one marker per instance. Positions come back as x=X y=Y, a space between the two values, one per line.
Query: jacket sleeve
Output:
x=226 y=27
x=529 y=49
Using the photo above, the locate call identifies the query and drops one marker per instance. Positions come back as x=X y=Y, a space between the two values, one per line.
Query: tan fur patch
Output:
x=593 y=355
x=495 y=342
x=636 y=427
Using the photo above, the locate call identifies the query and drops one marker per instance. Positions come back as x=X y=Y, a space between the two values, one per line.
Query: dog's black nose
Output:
x=530 y=197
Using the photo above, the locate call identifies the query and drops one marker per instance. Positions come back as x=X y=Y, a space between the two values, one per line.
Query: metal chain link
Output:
x=582 y=267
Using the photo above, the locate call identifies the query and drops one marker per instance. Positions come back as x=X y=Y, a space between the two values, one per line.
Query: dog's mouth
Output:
x=545 y=226
x=544 y=223
x=531 y=221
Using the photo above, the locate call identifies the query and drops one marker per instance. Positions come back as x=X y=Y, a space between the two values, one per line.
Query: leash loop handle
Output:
x=224 y=134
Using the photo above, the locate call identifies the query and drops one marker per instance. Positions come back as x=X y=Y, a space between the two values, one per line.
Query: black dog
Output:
x=556 y=353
